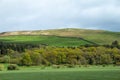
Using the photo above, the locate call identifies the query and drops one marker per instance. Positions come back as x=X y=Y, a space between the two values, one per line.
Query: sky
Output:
x=16 y=15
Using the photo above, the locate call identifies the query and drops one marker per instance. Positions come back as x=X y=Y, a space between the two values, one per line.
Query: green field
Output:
x=100 y=37
x=97 y=36
x=82 y=73
x=49 y=40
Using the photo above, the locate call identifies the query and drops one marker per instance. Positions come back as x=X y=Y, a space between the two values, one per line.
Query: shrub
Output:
x=117 y=64
x=46 y=63
x=1 y=60
x=14 y=61
x=1 y=67
x=103 y=65
x=56 y=66
x=5 y=59
x=85 y=65
x=26 y=60
x=43 y=67
x=80 y=66
x=12 y=67
x=71 y=66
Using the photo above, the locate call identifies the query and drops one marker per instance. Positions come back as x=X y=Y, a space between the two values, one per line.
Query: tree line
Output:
x=19 y=47
x=27 y=55
x=61 y=56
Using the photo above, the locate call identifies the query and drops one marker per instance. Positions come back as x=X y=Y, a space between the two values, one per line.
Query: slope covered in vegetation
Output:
x=96 y=36
x=46 y=40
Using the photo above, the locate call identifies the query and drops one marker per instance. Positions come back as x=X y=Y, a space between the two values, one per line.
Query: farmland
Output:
x=49 y=73
x=67 y=48
x=61 y=37
x=49 y=40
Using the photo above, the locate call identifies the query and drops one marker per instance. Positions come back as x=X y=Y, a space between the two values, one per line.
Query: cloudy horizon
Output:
x=18 y=15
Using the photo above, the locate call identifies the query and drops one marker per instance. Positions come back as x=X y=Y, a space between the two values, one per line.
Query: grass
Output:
x=83 y=73
x=103 y=38
x=97 y=36
x=49 y=40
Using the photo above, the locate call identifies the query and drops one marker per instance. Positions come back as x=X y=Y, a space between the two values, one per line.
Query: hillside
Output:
x=95 y=36
x=69 y=32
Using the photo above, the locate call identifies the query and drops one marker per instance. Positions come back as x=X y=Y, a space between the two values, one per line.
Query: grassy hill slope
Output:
x=48 y=40
x=82 y=36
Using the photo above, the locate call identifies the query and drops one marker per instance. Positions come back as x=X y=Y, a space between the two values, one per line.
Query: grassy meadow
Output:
x=60 y=38
x=100 y=37
x=50 y=73
x=49 y=40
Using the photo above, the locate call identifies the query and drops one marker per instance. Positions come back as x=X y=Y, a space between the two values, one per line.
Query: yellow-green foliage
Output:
x=73 y=56
x=1 y=67
x=26 y=59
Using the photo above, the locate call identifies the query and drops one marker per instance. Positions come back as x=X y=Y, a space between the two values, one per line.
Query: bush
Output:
x=85 y=65
x=26 y=59
x=1 y=67
x=6 y=59
x=43 y=67
x=12 y=67
x=71 y=66
x=80 y=66
x=103 y=65
x=1 y=60
x=14 y=61
x=56 y=66
x=117 y=64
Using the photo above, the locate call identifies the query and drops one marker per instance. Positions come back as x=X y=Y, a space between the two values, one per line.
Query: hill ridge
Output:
x=96 y=36
x=45 y=32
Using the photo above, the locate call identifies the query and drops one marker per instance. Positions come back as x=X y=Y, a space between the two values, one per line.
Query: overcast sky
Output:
x=51 y=14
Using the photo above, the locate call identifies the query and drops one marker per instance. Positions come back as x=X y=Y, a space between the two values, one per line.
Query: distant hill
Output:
x=58 y=32
x=95 y=36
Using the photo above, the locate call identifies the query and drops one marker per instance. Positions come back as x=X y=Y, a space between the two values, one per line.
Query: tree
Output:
x=36 y=58
x=26 y=59
x=106 y=59
x=6 y=59
x=115 y=44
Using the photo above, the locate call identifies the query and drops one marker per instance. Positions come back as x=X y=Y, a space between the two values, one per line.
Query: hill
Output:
x=66 y=36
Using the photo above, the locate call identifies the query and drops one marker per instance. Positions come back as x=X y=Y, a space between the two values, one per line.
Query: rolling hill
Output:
x=62 y=37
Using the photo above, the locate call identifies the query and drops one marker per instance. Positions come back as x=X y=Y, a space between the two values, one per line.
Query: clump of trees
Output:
x=19 y=47
x=90 y=55
x=61 y=56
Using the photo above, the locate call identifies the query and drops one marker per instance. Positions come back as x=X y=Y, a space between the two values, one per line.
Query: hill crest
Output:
x=96 y=36
x=58 y=32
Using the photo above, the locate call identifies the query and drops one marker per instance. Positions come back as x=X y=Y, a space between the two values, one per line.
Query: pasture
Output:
x=100 y=37
x=49 y=40
x=49 y=73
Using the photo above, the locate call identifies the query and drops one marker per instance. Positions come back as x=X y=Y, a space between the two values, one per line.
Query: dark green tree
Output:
x=115 y=44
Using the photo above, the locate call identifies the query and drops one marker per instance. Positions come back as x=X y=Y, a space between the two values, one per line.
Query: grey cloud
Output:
x=46 y=14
